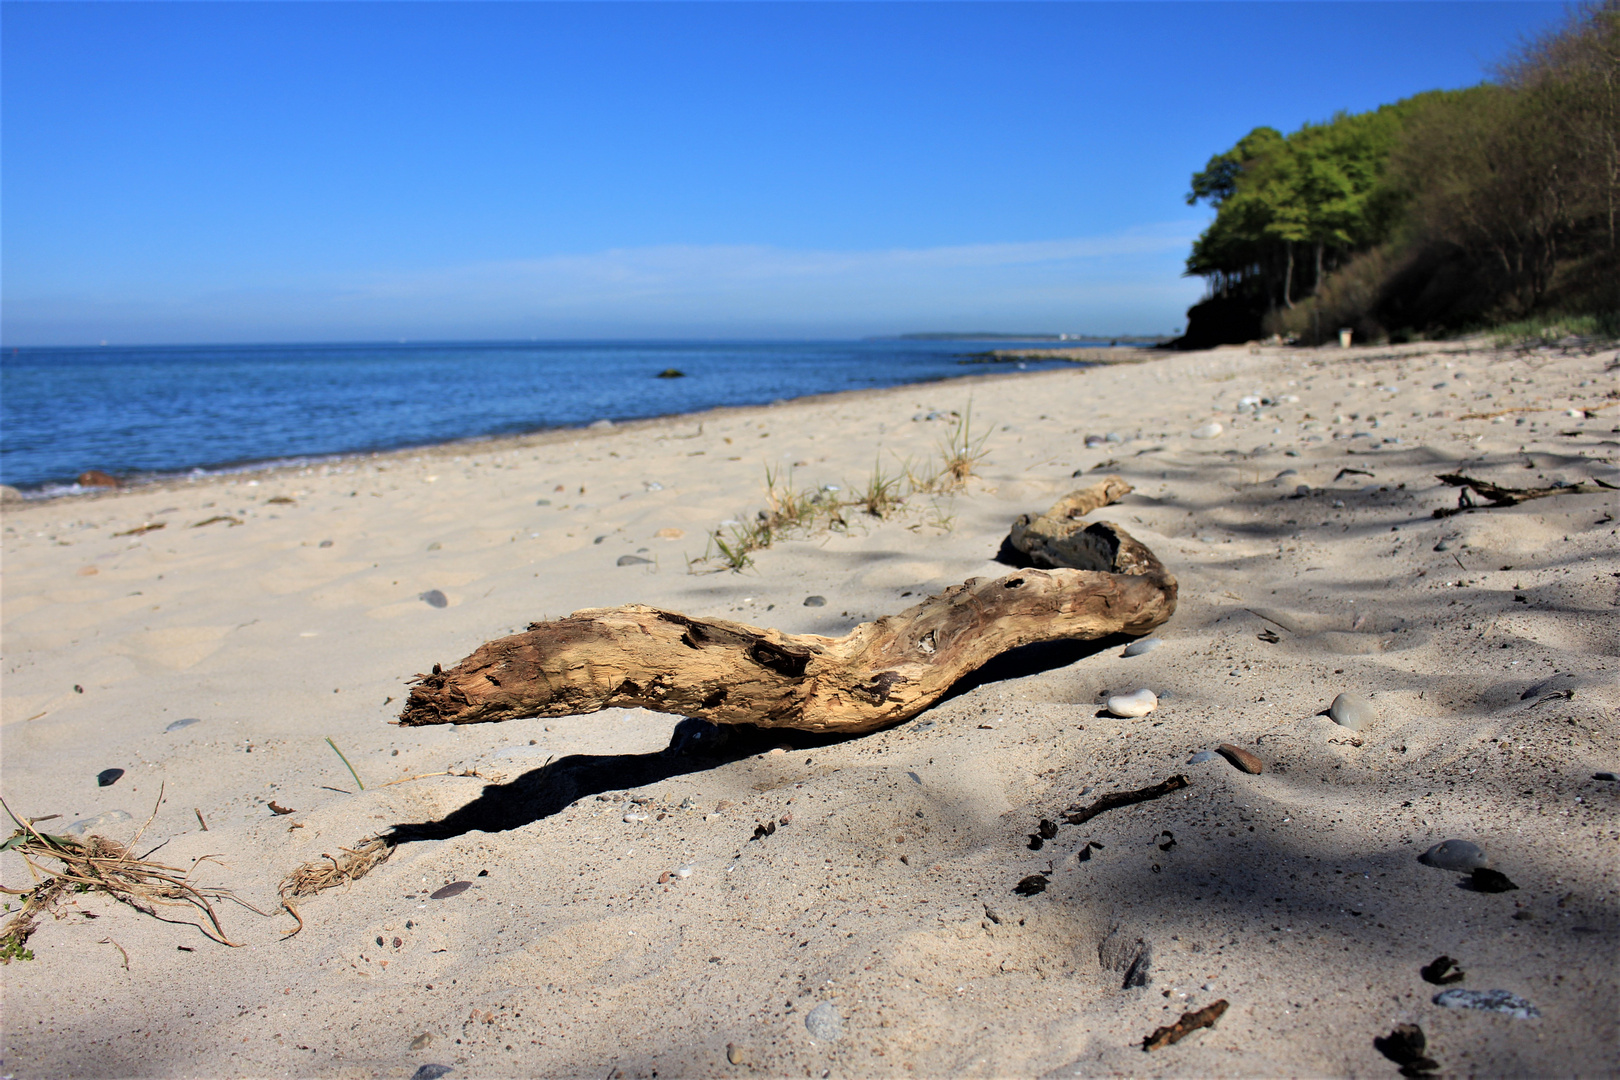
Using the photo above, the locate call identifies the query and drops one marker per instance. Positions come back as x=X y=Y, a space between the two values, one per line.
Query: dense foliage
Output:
x=1447 y=210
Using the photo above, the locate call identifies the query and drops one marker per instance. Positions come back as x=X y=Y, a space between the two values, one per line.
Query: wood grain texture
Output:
x=878 y=674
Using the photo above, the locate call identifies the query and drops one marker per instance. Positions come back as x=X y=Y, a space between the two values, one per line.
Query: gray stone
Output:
x=434 y=598
x=1137 y=703
x=632 y=560
x=1497 y=1001
x=1457 y=855
x=1202 y=756
x=431 y=1072
x=601 y=425
x=187 y=722
x=1609 y=776
x=10 y=494
x=100 y=821
x=815 y=601
x=1353 y=711
x=1142 y=645
x=824 y=1023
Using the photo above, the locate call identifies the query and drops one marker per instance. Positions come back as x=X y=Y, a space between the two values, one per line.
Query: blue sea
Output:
x=152 y=411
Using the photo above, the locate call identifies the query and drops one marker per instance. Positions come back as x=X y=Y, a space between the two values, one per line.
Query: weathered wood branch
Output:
x=878 y=674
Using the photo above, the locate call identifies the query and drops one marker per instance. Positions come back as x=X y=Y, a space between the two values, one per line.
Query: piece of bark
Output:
x=878 y=674
x=1189 y=1023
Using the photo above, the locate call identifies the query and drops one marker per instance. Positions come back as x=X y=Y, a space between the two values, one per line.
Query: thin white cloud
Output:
x=1126 y=282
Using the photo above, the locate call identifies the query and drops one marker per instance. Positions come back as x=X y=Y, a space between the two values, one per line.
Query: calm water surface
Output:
x=154 y=410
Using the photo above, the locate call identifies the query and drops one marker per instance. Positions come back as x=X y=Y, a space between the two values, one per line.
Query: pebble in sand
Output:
x=1137 y=703
x=824 y=1023
x=1143 y=645
x=1454 y=855
x=1353 y=711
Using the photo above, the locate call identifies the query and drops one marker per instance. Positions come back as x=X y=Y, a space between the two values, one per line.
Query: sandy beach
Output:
x=620 y=917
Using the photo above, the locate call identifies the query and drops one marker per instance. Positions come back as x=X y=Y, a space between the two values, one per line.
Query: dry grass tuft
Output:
x=96 y=864
x=330 y=871
x=795 y=511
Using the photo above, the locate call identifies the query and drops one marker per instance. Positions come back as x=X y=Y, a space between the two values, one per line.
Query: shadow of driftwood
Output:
x=695 y=746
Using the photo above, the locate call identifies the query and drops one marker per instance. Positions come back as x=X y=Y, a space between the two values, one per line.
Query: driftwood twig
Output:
x=1189 y=1023
x=1079 y=815
x=1497 y=495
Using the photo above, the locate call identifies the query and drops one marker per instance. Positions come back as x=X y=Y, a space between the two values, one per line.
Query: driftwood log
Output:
x=878 y=674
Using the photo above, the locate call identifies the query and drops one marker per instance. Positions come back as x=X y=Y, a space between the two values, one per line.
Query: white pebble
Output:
x=1139 y=703
x=684 y=872
x=1207 y=431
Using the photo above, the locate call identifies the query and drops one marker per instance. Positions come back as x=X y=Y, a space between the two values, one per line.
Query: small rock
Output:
x=1034 y=883
x=684 y=872
x=431 y=1072
x=668 y=373
x=455 y=888
x=9 y=494
x=1609 y=776
x=824 y=1023
x=187 y=722
x=542 y=502
x=1138 y=703
x=1457 y=855
x=670 y=533
x=1443 y=545
x=738 y=1055
x=815 y=601
x=435 y=546
x=95 y=478
x=632 y=560
x=663 y=879
x=1442 y=971
x=600 y=425
x=422 y=1041
x=1094 y=441
x=1202 y=756
x=434 y=598
x=635 y=819
x=1499 y=1001
x=108 y=777
x=100 y=821
x=1141 y=646
x=1241 y=759
x=1207 y=431
x=1352 y=711
x=324 y=544
x=1406 y=1046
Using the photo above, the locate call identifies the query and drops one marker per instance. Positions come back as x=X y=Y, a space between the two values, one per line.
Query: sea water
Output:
x=141 y=412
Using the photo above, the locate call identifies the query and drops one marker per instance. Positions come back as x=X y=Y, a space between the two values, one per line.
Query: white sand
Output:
x=1295 y=894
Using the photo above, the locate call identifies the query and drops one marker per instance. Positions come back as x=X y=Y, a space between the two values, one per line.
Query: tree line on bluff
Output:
x=1451 y=210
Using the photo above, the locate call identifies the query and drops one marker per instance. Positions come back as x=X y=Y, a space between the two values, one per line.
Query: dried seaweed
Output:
x=96 y=864
x=330 y=871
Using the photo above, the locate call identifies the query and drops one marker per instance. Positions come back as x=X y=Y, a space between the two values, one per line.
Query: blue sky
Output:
x=184 y=172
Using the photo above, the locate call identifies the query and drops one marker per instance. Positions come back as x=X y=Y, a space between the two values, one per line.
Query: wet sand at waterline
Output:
x=620 y=919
